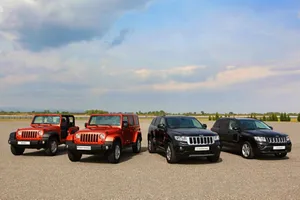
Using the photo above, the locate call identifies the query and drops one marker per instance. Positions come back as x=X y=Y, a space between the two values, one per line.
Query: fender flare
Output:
x=47 y=135
x=12 y=136
x=136 y=135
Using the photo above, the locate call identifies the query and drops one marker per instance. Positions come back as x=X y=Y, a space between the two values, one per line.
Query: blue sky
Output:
x=172 y=55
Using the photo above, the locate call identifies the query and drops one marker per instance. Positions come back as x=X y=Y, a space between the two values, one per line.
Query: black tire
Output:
x=136 y=148
x=214 y=158
x=151 y=145
x=170 y=154
x=74 y=156
x=247 y=150
x=280 y=155
x=16 y=150
x=114 y=155
x=52 y=147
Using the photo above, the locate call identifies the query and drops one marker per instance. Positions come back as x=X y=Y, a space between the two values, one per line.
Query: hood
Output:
x=192 y=132
x=264 y=133
x=107 y=130
x=39 y=127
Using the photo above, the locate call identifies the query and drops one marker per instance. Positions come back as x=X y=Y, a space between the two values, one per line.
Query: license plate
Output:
x=201 y=148
x=84 y=148
x=278 y=147
x=24 y=142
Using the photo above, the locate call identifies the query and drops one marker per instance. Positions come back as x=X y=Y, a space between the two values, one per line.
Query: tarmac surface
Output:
x=147 y=176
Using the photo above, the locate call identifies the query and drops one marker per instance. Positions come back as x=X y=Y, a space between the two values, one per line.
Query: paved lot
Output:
x=147 y=176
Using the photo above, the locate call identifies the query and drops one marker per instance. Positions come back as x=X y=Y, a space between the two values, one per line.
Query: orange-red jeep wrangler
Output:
x=46 y=131
x=106 y=134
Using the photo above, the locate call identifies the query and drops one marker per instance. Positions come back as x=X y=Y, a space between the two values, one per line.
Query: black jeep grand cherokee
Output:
x=182 y=136
x=251 y=137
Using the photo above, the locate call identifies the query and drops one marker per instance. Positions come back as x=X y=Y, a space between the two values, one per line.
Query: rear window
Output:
x=130 y=121
x=217 y=124
x=136 y=120
x=153 y=121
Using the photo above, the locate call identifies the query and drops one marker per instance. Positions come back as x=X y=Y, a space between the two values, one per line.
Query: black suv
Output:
x=251 y=137
x=182 y=136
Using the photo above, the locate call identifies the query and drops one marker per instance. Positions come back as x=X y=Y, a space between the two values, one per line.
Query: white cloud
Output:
x=165 y=73
x=226 y=78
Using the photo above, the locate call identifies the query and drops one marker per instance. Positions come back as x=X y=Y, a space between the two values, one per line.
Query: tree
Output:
x=281 y=117
x=209 y=118
x=264 y=118
x=217 y=116
x=298 y=118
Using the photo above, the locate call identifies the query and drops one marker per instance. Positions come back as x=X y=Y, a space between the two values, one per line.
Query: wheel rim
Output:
x=117 y=152
x=149 y=145
x=246 y=150
x=169 y=153
x=53 y=146
x=138 y=144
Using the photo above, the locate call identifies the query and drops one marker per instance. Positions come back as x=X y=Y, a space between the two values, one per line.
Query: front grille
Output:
x=276 y=140
x=203 y=140
x=29 y=134
x=89 y=137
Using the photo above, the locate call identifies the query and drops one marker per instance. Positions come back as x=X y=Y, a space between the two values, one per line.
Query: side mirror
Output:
x=204 y=126
x=85 y=124
x=125 y=124
x=271 y=127
x=161 y=126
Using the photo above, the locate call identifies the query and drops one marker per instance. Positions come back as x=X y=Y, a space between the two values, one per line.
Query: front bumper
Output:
x=89 y=148
x=186 y=151
x=28 y=144
x=265 y=148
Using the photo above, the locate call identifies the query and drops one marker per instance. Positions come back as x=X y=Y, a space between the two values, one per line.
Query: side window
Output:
x=136 y=120
x=162 y=121
x=157 y=121
x=224 y=124
x=71 y=121
x=232 y=123
x=130 y=121
x=125 y=119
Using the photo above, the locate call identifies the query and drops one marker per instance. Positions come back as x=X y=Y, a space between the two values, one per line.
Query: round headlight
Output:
x=19 y=133
x=77 y=136
x=40 y=133
x=102 y=136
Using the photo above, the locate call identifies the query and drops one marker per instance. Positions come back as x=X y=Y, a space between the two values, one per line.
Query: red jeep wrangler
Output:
x=46 y=131
x=108 y=134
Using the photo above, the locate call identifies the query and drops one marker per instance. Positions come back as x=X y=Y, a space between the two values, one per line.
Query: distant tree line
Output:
x=269 y=116
x=283 y=117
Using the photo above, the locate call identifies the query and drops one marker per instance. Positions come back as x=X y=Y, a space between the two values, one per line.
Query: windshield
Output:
x=183 y=122
x=253 y=125
x=46 y=119
x=105 y=120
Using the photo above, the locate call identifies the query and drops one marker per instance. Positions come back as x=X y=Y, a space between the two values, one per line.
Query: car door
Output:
x=156 y=131
x=233 y=135
x=126 y=130
x=161 y=132
x=131 y=128
x=64 y=127
x=223 y=132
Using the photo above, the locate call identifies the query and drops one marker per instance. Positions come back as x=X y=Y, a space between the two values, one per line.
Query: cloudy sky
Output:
x=174 y=55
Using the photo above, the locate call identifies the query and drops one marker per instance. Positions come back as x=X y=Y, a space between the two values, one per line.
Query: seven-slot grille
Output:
x=200 y=140
x=276 y=140
x=29 y=134
x=90 y=137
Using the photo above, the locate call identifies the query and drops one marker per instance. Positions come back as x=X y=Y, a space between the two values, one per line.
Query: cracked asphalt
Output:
x=147 y=176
